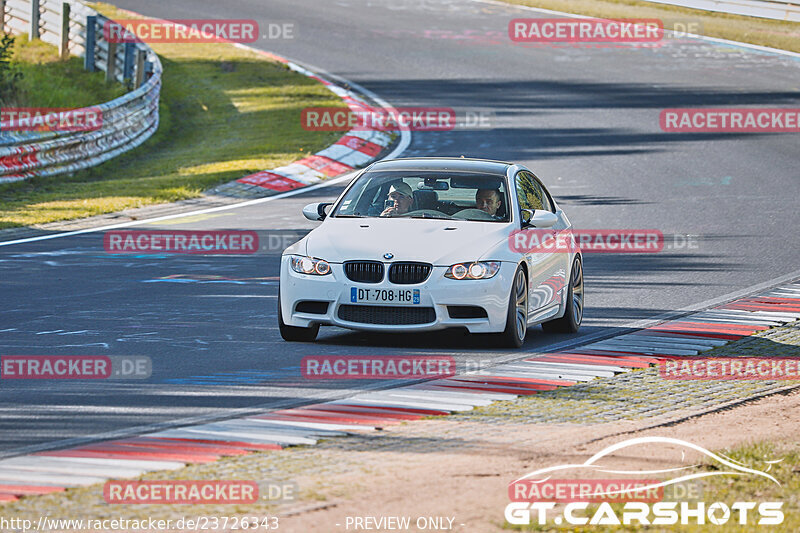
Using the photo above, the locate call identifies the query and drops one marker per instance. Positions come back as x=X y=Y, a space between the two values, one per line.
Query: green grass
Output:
x=225 y=113
x=66 y=83
x=729 y=489
x=763 y=32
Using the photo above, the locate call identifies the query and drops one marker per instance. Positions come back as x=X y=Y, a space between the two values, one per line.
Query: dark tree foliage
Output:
x=9 y=73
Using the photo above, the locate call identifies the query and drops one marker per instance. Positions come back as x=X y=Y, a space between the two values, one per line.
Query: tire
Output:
x=293 y=333
x=573 y=315
x=517 y=319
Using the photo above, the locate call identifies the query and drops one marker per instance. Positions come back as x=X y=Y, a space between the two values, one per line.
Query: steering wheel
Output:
x=432 y=213
x=473 y=214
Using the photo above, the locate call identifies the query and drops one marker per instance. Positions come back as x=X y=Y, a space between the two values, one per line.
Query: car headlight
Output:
x=309 y=265
x=476 y=270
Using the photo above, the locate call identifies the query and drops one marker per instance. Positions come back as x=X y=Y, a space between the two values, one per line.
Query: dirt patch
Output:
x=466 y=478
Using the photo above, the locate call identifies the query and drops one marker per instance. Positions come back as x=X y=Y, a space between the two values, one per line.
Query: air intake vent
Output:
x=364 y=271
x=409 y=273
x=466 y=311
x=379 y=314
x=312 y=307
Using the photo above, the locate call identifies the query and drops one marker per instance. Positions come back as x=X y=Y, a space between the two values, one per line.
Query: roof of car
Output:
x=457 y=164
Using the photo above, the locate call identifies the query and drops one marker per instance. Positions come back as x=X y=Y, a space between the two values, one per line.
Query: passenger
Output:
x=401 y=195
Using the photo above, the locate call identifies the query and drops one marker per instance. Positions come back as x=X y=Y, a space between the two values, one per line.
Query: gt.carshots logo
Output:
x=535 y=497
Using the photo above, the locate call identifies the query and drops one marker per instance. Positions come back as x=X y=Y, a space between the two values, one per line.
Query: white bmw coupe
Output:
x=426 y=243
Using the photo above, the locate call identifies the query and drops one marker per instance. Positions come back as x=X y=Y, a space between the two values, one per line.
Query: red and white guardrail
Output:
x=124 y=123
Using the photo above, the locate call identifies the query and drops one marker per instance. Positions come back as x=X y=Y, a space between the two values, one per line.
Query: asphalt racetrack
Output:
x=586 y=120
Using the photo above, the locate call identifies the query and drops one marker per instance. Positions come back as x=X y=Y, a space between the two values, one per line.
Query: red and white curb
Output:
x=356 y=148
x=53 y=471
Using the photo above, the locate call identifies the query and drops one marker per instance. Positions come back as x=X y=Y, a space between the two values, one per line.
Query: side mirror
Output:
x=316 y=212
x=538 y=218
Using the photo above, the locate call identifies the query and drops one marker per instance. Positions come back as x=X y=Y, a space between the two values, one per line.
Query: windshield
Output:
x=433 y=194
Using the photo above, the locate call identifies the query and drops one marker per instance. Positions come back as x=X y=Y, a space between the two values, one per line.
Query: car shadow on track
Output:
x=449 y=340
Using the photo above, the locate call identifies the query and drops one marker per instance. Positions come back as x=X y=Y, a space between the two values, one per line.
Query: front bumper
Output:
x=436 y=292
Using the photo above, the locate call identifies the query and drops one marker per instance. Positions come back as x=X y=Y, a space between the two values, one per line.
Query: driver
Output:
x=488 y=201
x=399 y=193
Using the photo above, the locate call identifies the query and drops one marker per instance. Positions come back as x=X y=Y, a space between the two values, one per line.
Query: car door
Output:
x=547 y=269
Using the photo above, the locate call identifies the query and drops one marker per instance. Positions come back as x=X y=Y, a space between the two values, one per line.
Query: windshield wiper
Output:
x=350 y=216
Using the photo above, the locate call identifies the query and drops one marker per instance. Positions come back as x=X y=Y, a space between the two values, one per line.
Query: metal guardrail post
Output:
x=91 y=42
x=127 y=67
x=63 y=48
x=33 y=32
x=111 y=61
x=139 y=68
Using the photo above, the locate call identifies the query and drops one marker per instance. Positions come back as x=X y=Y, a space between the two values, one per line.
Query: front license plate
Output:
x=385 y=296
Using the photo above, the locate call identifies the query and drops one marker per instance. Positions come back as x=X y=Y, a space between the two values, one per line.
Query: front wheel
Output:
x=573 y=315
x=517 y=320
x=294 y=333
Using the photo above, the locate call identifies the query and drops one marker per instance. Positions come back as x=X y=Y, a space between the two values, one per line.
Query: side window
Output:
x=547 y=200
x=530 y=194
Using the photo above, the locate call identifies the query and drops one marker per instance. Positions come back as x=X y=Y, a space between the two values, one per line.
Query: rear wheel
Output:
x=573 y=315
x=294 y=333
x=517 y=320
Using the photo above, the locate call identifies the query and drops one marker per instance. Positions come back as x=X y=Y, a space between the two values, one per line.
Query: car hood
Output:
x=440 y=242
